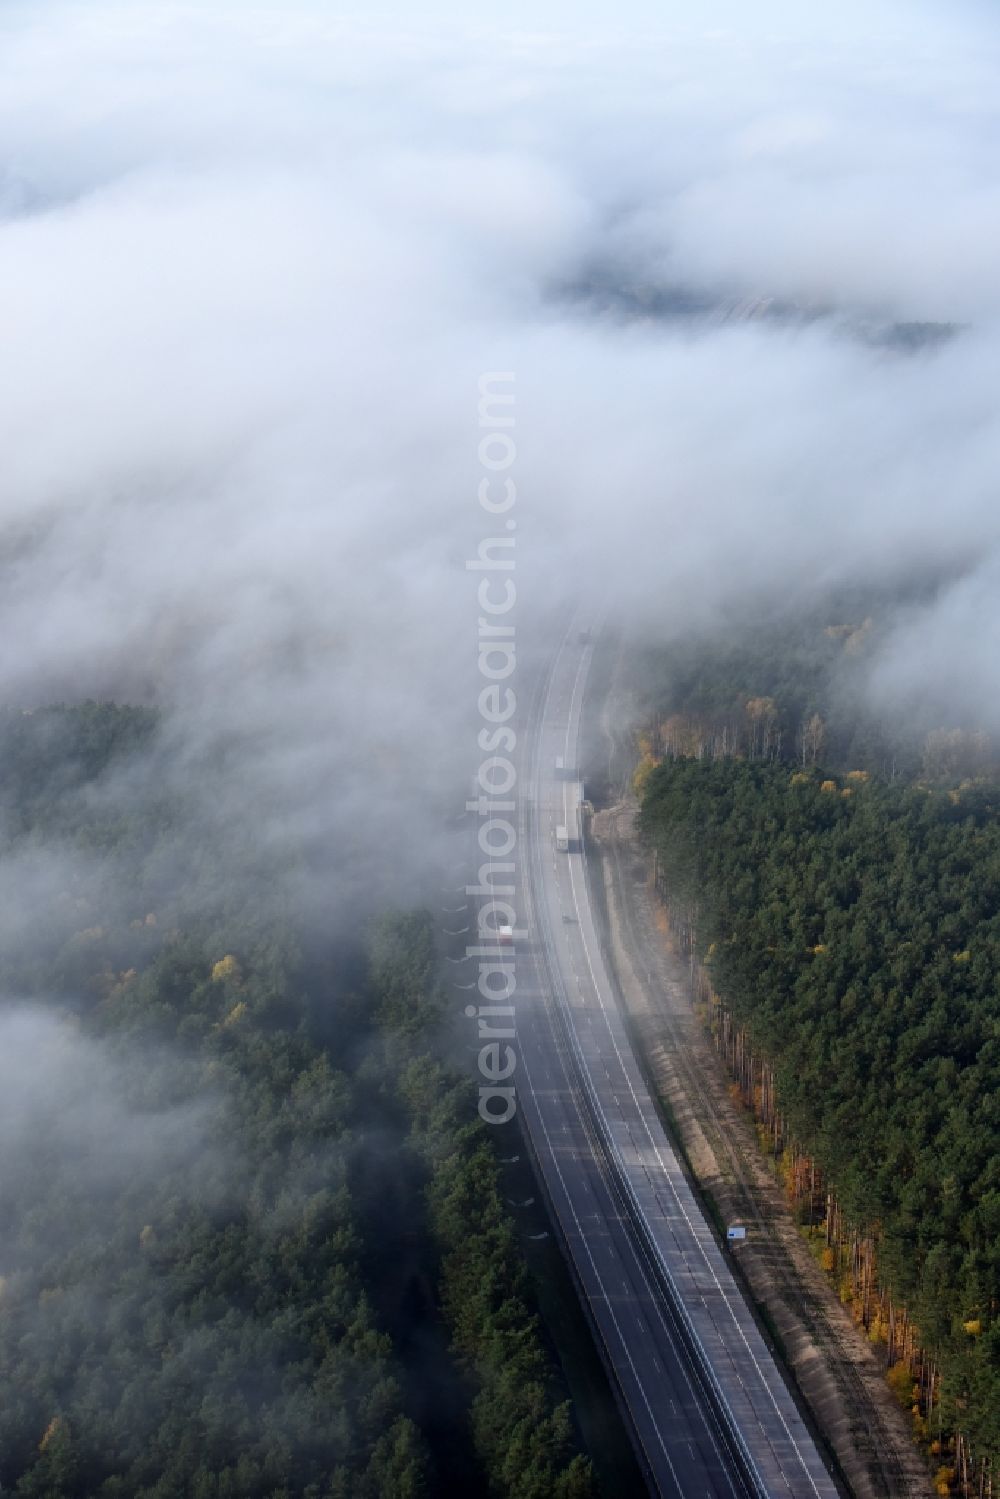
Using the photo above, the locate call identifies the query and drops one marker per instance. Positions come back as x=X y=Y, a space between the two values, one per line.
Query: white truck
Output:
x=562 y=839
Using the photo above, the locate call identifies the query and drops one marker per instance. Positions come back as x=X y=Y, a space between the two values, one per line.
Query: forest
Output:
x=851 y=925
x=253 y=1240
x=791 y=682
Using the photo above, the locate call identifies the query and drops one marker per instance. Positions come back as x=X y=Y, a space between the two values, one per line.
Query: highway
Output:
x=708 y=1410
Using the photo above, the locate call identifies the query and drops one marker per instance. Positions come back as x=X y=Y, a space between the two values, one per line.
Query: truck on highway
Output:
x=562 y=839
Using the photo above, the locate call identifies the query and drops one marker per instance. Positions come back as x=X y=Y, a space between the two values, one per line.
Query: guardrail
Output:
x=698 y=1358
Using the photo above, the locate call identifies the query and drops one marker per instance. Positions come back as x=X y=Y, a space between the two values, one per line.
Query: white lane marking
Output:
x=570 y=1094
x=645 y=1122
x=597 y=1276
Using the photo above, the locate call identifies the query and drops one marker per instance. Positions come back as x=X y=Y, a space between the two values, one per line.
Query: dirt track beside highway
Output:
x=834 y=1366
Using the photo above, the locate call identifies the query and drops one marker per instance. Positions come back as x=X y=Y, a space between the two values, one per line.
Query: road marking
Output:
x=694 y=1236
x=571 y=1099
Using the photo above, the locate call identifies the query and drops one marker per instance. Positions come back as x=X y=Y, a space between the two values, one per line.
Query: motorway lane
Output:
x=708 y=1406
x=680 y=1451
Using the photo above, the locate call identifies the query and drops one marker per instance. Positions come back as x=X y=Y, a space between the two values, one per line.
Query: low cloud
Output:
x=90 y=1127
x=254 y=262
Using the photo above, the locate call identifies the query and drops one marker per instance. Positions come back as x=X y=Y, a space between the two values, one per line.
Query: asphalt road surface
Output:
x=708 y=1409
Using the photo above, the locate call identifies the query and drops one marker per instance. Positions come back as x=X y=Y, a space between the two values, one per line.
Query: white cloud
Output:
x=254 y=259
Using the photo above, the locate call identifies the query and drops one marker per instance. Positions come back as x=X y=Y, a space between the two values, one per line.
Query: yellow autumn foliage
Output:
x=90 y=934
x=855 y=642
x=761 y=707
x=225 y=968
x=642 y=773
x=828 y=786
x=53 y=1429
